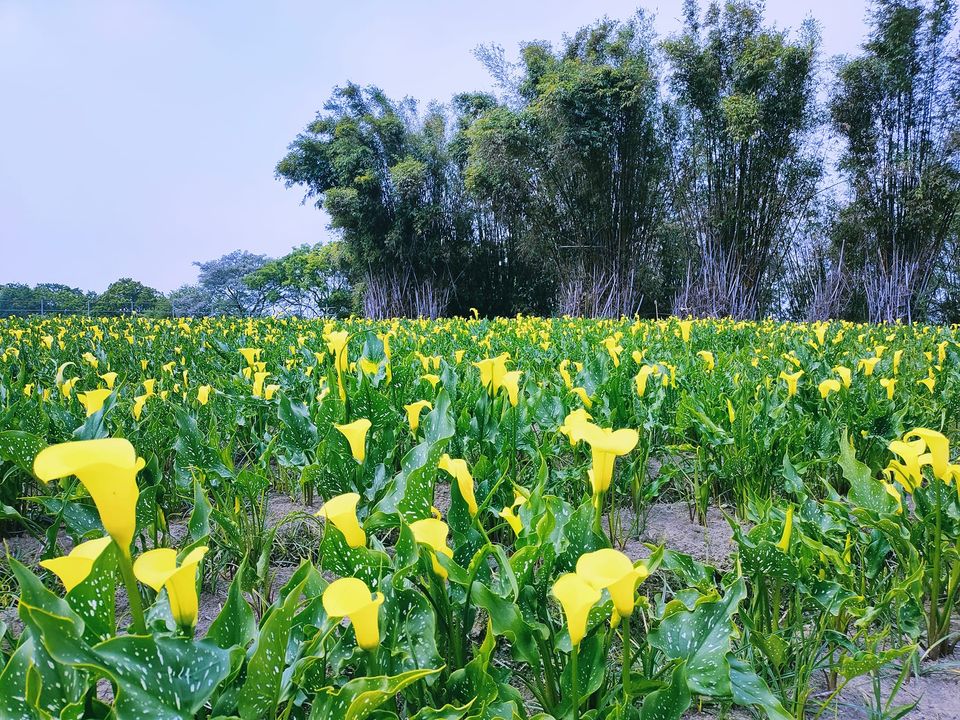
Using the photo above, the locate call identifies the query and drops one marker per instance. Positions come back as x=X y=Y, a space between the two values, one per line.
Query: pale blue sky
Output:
x=137 y=136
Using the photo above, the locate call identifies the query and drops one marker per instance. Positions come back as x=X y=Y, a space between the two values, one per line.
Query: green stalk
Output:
x=627 y=647
x=575 y=683
x=933 y=624
x=133 y=592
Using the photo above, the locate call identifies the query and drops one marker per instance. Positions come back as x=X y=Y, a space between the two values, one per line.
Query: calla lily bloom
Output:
x=108 y=469
x=511 y=515
x=576 y=597
x=584 y=398
x=511 y=383
x=342 y=512
x=606 y=445
x=356 y=435
x=930 y=382
x=909 y=471
x=939 y=447
x=413 y=413
x=641 y=379
x=158 y=569
x=351 y=598
x=613 y=571
x=251 y=355
x=791 y=379
x=458 y=469
x=93 y=400
x=708 y=359
x=846 y=375
x=269 y=391
x=784 y=543
x=73 y=568
x=867 y=365
x=685 y=326
x=574 y=425
x=828 y=386
x=433 y=533
x=614 y=349
x=565 y=374
x=258 y=379
x=431 y=378
x=110 y=379
x=889 y=384
x=492 y=371
x=203 y=394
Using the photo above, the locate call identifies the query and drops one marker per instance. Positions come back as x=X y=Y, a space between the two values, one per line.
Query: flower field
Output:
x=468 y=498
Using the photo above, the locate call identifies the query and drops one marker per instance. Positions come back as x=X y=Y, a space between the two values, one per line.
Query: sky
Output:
x=138 y=136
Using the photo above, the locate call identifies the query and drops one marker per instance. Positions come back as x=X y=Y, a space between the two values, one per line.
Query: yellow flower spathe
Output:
x=356 y=435
x=203 y=394
x=605 y=446
x=791 y=379
x=458 y=469
x=413 y=413
x=828 y=386
x=108 y=469
x=351 y=598
x=158 y=569
x=613 y=571
x=576 y=597
x=342 y=512
x=433 y=533
x=93 y=400
x=73 y=568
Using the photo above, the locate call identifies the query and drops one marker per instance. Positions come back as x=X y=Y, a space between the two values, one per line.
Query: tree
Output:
x=127 y=296
x=576 y=174
x=896 y=109
x=745 y=171
x=310 y=281
x=384 y=175
x=222 y=280
x=190 y=301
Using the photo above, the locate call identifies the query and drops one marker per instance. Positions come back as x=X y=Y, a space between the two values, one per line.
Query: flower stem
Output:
x=627 y=653
x=133 y=592
x=575 y=682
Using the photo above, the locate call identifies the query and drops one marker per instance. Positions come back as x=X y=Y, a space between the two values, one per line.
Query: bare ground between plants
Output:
x=937 y=690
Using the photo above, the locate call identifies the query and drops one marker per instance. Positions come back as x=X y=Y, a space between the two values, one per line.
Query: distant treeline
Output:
x=728 y=170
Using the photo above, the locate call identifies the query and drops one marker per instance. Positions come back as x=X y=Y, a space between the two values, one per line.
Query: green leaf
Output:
x=358 y=698
x=298 y=434
x=749 y=689
x=702 y=638
x=235 y=625
x=261 y=690
x=865 y=490
x=162 y=676
x=94 y=599
x=20 y=448
x=199 y=523
x=670 y=702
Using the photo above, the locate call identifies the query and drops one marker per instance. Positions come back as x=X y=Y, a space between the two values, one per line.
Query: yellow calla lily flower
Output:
x=269 y=391
x=575 y=424
x=889 y=384
x=108 y=469
x=492 y=371
x=641 y=379
x=939 y=447
x=258 y=380
x=828 y=386
x=342 y=512
x=351 y=598
x=708 y=359
x=110 y=379
x=685 y=327
x=584 y=398
x=203 y=394
x=867 y=365
x=784 y=543
x=413 y=413
x=251 y=355
x=576 y=597
x=613 y=571
x=511 y=382
x=158 y=569
x=791 y=379
x=93 y=400
x=511 y=515
x=908 y=472
x=565 y=374
x=433 y=533
x=614 y=349
x=431 y=378
x=606 y=445
x=458 y=469
x=846 y=375
x=73 y=568
x=356 y=435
